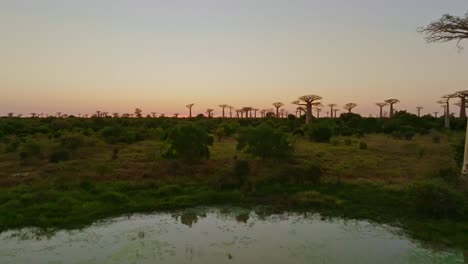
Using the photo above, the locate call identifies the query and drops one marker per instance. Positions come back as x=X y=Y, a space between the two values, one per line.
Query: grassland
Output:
x=369 y=182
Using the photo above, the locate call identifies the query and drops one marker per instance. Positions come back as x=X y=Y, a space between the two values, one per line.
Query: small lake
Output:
x=204 y=235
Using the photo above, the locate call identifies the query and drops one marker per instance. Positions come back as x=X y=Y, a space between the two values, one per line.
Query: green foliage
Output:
x=436 y=198
x=362 y=145
x=335 y=142
x=348 y=142
x=459 y=153
x=264 y=141
x=188 y=142
x=220 y=133
x=72 y=142
x=31 y=149
x=59 y=155
x=242 y=170
x=298 y=131
x=319 y=133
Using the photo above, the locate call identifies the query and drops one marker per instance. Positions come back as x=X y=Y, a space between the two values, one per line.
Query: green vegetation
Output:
x=67 y=173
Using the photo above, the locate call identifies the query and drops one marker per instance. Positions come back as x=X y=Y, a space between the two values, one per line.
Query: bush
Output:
x=298 y=131
x=335 y=142
x=436 y=138
x=72 y=142
x=30 y=150
x=319 y=133
x=241 y=170
x=59 y=155
x=264 y=141
x=362 y=145
x=436 y=198
x=348 y=142
x=188 y=142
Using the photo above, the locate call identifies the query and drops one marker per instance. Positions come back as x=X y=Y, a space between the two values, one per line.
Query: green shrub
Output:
x=264 y=141
x=30 y=149
x=59 y=155
x=188 y=142
x=436 y=198
x=362 y=145
x=319 y=133
x=72 y=142
x=348 y=142
x=242 y=170
x=335 y=142
x=298 y=131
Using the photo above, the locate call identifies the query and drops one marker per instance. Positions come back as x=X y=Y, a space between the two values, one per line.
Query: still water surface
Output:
x=221 y=236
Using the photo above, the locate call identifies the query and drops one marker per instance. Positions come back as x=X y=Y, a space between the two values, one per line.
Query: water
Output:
x=221 y=236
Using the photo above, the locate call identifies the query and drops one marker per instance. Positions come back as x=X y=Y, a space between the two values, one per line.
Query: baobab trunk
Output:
x=309 y=113
x=465 y=156
x=463 y=107
x=381 y=111
x=447 y=116
x=391 y=110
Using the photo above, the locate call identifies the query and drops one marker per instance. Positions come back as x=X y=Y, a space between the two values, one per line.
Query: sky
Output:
x=158 y=55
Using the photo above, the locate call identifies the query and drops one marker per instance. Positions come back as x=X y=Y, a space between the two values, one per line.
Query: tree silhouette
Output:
x=462 y=95
x=189 y=106
x=349 y=106
x=248 y=111
x=335 y=110
x=230 y=110
x=176 y=115
x=419 y=110
x=318 y=109
x=391 y=102
x=308 y=101
x=381 y=105
x=255 y=112
x=446 y=100
x=209 y=112
x=115 y=115
x=332 y=106
x=277 y=105
x=33 y=115
x=223 y=106
x=263 y=112
x=138 y=112
x=239 y=113
x=435 y=114
x=446 y=29
x=153 y=114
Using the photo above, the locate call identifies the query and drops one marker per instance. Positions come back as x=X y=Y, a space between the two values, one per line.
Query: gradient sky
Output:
x=115 y=55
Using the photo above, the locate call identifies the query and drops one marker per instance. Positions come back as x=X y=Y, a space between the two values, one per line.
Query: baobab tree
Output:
x=446 y=29
x=230 y=110
x=189 y=106
x=153 y=114
x=308 y=101
x=255 y=112
x=381 y=105
x=446 y=98
x=33 y=115
x=332 y=106
x=277 y=105
x=263 y=112
x=391 y=102
x=435 y=114
x=209 y=112
x=334 y=111
x=248 y=111
x=115 y=115
x=318 y=109
x=138 y=113
x=176 y=115
x=419 y=110
x=462 y=95
x=301 y=109
x=239 y=113
x=349 y=107
x=223 y=106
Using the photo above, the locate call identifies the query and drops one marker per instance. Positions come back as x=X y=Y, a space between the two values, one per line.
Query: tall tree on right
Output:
x=419 y=110
x=450 y=28
x=381 y=105
x=308 y=101
x=349 y=106
x=277 y=105
x=189 y=106
x=391 y=102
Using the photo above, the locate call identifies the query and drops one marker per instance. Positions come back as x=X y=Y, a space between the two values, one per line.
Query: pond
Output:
x=213 y=235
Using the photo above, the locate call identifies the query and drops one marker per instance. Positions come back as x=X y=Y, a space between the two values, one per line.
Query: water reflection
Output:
x=220 y=236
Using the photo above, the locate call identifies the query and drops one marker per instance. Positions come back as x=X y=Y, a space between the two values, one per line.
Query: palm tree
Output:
x=209 y=112
x=331 y=108
x=189 y=106
x=419 y=110
x=349 y=106
x=277 y=105
x=391 y=102
x=381 y=105
x=308 y=101
x=223 y=106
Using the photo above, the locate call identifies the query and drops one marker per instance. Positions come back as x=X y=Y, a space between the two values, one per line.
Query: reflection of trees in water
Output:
x=242 y=218
x=188 y=219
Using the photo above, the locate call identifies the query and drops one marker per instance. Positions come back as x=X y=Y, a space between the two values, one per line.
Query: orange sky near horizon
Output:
x=115 y=56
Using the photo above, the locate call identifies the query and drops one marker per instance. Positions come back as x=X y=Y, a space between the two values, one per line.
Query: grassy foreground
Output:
x=371 y=183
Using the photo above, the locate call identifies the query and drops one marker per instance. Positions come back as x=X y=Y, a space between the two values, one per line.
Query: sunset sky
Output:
x=115 y=55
